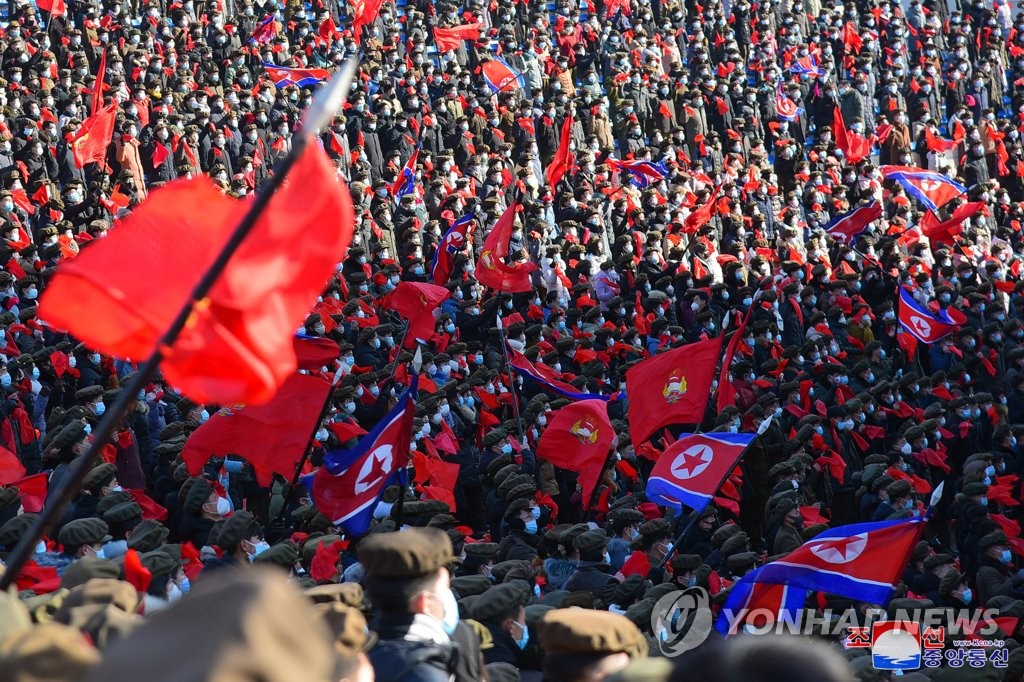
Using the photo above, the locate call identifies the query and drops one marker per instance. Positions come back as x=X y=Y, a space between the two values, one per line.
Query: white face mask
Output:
x=223 y=506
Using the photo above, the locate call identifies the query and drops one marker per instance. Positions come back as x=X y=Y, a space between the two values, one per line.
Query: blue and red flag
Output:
x=786 y=108
x=692 y=469
x=861 y=561
x=500 y=77
x=406 y=180
x=348 y=486
x=454 y=240
x=283 y=76
x=750 y=601
x=263 y=33
x=641 y=173
x=547 y=377
x=923 y=324
x=849 y=225
x=933 y=190
x=806 y=65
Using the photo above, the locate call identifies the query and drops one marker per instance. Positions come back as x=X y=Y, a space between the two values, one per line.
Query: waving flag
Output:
x=491 y=270
x=924 y=325
x=55 y=8
x=861 y=561
x=263 y=33
x=283 y=76
x=933 y=190
x=787 y=108
x=564 y=158
x=364 y=13
x=547 y=377
x=450 y=39
x=748 y=595
x=855 y=147
x=807 y=65
x=314 y=352
x=846 y=227
x=271 y=437
x=699 y=217
x=500 y=77
x=406 y=180
x=415 y=301
x=671 y=388
x=578 y=438
x=348 y=486
x=454 y=240
x=89 y=145
x=641 y=173
x=693 y=468
x=948 y=230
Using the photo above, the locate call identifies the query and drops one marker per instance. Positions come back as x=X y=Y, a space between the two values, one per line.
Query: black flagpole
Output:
x=328 y=100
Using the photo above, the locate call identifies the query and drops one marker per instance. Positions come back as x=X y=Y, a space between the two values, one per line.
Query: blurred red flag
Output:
x=272 y=437
x=11 y=469
x=89 y=144
x=135 y=573
x=33 y=491
x=416 y=301
x=671 y=388
x=449 y=39
x=56 y=8
x=578 y=438
x=150 y=509
x=364 y=13
x=698 y=218
x=492 y=271
x=563 y=160
x=120 y=295
x=314 y=352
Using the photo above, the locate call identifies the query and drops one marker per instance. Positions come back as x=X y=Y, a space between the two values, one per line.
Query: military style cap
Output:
x=481 y=550
x=83 y=532
x=85 y=569
x=591 y=540
x=148 y=535
x=120 y=513
x=350 y=594
x=500 y=599
x=407 y=554
x=234 y=529
x=582 y=631
x=348 y=627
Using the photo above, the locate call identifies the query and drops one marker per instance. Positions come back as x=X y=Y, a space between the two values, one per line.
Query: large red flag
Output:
x=121 y=294
x=578 y=438
x=671 y=388
x=314 y=352
x=492 y=271
x=97 y=88
x=11 y=469
x=89 y=144
x=416 y=301
x=449 y=39
x=271 y=437
x=948 y=230
x=702 y=215
x=364 y=14
x=564 y=158
x=726 y=391
x=56 y=8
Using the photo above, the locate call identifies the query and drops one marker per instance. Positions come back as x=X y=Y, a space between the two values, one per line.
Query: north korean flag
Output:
x=861 y=561
x=924 y=325
x=846 y=227
x=454 y=240
x=547 y=377
x=347 y=488
x=933 y=190
x=500 y=77
x=748 y=596
x=693 y=468
x=406 y=180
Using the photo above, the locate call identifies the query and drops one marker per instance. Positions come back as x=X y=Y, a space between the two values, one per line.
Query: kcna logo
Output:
x=681 y=620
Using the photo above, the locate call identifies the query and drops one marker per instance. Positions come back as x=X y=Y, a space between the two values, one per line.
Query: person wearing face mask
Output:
x=594 y=572
x=788 y=536
x=624 y=528
x=649 y=549
x=78 y=539
x=996 y=574
x=522 y=521
x=165 y=582
x=241 y=540
x=899 y=496
x=501 y=610
x=417 y=616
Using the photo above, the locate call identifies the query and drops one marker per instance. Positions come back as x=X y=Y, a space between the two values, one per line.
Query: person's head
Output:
x=584 y=645
x=84 y=537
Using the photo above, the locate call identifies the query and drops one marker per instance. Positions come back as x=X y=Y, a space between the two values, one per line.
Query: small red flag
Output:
x=11 y=469
x=450 y=39
x=563 y=159
x=135 y=573
x=160 y=154
x=89 y=144
x=33 y=491
x=56 y=8
x=416 y=301
x=238 y=345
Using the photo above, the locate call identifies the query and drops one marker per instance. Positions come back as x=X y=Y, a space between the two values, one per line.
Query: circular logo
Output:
x=376 y=466
x=840 y=550
x=681 y=620
x=921 y=325
x=692 y=461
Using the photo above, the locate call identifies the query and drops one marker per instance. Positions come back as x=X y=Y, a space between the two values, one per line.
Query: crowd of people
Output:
x=707 y=171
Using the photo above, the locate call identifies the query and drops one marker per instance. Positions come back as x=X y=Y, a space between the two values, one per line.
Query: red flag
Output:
x=314 y=352
x=671 y=388
x=855 y=147
x=160 y=154
x=578 y=438
x=564 y=158
x=238 y=346
x=492 y=271
x=33 y=491
x=364 y=14
x=726 y=391
x=56 y=8
x=937 y=144
x=42 y=194
x=449 y=39
x=118 y=198
x=698 y=218
x=948 y=230
x=89 y=144
x=272 y=437
x=324 y=566
x=97 y=88
x=150 y=509
x=329 y=31
x=416 y=301
x=135 y=573
x=11 y=469
x=851 y=38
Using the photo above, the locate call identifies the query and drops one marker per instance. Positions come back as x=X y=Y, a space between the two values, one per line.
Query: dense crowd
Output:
x=735 y=107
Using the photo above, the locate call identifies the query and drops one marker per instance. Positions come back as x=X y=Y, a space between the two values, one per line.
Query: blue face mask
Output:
x=965 y=597
x=525 y=638
x=506 y=449
x=1006 y=557
x=535 y=512
x=531 y=527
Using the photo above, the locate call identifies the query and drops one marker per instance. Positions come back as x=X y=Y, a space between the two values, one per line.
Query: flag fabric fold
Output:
x=450 y=39
x=406 y=180
x=564 y=158
x=416 y=301
x=500 y=77
x=272 y=437
x=932 y=189
x=120 y=295
x=314 y=352
x=693 y=468
x=547 y=377
x=641 y=173
x=855 y=147
x=671 y=388
x=452 y=243
x=578 y=438
x=492 y=270
x=89 y=144
x=923 y=324
x=283 y=76
x=848 y=226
